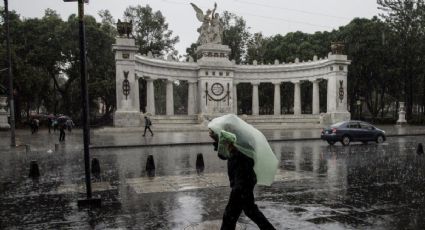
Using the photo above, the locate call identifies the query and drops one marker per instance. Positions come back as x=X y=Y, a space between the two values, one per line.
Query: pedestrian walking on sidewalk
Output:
x=148 y=125
x=239 y=144
x=62 y=127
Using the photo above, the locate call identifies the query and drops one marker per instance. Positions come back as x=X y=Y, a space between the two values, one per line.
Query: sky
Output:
x=270 y=17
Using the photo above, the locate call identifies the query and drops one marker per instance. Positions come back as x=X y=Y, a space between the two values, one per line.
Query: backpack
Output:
x=149 y=122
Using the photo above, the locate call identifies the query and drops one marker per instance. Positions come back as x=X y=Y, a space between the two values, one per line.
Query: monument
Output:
x=212 y=82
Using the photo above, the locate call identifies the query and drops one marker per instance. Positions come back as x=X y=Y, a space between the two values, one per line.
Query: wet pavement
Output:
x=318 y=187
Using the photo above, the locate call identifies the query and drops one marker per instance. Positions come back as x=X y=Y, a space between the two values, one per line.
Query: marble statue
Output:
x=211 y=29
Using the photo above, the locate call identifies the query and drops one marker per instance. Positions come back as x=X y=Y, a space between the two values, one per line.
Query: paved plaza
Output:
x=317 y=186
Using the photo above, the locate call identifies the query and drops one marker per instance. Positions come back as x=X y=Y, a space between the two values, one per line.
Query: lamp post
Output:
x=89 y=201
x=9 y=60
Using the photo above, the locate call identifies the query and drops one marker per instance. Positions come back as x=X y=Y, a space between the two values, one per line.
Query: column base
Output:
x=127 y=119
x=334 y=117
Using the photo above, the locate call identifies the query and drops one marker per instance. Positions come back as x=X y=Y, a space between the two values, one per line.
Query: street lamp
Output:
x=89 y=201
x=9 y=60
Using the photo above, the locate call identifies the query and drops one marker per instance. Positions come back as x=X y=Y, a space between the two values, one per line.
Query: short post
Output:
x=56 y=148
x=200 y=166
x=34 y=170
x=420 y=149
x=95 y=167
x=150 y=166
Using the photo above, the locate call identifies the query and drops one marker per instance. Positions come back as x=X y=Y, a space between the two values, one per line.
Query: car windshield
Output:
x=338 y=124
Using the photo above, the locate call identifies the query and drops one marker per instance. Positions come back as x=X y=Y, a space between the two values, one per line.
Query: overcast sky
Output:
x=268 y=16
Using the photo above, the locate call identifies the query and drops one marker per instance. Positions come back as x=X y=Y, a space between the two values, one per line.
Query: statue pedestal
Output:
x=213 y=55
x=4 y=125
x=401 y=118
x=401 y=115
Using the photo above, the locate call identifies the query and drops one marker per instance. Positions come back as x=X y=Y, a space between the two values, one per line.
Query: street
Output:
x=317 y=187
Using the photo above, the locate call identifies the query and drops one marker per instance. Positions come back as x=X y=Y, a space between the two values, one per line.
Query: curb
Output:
x=210 y=142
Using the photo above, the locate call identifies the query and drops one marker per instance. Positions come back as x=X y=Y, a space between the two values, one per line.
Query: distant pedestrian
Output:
x=69 y=125
x=62 y=128
x=55 y=125
x=148 y=125
x=49 y=123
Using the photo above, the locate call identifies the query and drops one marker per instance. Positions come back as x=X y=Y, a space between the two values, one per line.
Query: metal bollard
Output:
x=150 y=166
x=420 y=149
x=95 y=167
x=34 y=171
x=200 y=166
x=56 y=148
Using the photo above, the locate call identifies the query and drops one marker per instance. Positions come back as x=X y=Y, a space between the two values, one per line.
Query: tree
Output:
x=406 y=20
x=150 y=30
x=235 y=35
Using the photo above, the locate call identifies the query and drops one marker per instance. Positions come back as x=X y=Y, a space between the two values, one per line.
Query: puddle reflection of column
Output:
x=337 y=175
x=277 y=149
x=298 y=156
x=316 y=159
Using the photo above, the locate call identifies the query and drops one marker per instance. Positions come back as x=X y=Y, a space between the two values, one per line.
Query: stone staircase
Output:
x=191 y=123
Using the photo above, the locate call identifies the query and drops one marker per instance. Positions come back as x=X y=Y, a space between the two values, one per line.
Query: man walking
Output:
x=62 y=127
x=249 y=160
x=148 y=124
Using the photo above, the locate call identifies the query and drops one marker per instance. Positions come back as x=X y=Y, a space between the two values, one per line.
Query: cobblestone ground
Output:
x=318 y=187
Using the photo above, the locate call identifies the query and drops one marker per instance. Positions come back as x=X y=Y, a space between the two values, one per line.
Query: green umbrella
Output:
x=248 y=140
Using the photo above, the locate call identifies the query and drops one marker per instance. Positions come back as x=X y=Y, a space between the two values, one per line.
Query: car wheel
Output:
x=345 y=140
x=331 y=142
x=379 y=139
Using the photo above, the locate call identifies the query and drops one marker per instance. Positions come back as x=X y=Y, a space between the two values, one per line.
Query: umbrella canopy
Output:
x=248 y=140
x=63 y=118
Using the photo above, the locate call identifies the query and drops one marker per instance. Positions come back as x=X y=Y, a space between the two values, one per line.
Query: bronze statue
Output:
x=124 y=28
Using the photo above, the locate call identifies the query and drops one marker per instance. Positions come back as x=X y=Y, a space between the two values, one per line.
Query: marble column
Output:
x=170 y=98
x=297 y=98
x=316 y=97
x=277 y=106
x=255 y=105
x=191 y=98
x=150 y=97
x=235 y=98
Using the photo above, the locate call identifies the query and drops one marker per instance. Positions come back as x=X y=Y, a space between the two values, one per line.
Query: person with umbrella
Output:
x=62 y=126
x=250 y=161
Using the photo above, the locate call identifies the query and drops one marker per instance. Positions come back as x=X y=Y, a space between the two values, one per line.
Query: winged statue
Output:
x=211 y=28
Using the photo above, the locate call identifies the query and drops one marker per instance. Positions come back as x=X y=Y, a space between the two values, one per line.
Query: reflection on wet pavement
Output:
x=318 y=187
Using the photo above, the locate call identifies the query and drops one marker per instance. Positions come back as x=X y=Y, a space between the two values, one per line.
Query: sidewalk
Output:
x=101 y=139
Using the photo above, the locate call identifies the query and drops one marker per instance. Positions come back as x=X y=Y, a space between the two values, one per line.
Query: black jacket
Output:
x=240 y=169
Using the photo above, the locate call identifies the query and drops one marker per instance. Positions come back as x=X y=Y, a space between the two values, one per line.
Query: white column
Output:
x=297 y=98
x=316 y=97
x=255 y=104
x=235 y=98
x=191 y=98
x=150 y=96
x=170 y=98
x=277 y=106
x=331 y=95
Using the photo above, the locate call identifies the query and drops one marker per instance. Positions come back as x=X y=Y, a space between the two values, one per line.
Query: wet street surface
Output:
x=317 y=187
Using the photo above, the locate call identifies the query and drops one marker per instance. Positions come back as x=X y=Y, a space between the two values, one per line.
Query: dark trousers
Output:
x=62 y=135
x=243 y=199
x=149 y=128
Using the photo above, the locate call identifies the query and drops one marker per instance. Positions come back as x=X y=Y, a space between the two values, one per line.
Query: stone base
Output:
x=127 y=119
x=334 y=117
x=4 y=124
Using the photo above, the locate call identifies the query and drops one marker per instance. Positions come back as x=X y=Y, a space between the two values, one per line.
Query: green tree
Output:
x=235 y=35
x=150 y=30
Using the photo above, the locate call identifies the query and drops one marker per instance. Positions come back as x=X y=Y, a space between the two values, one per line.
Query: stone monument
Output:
x=216 y=70
x=401 y=115
x=4 y=125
